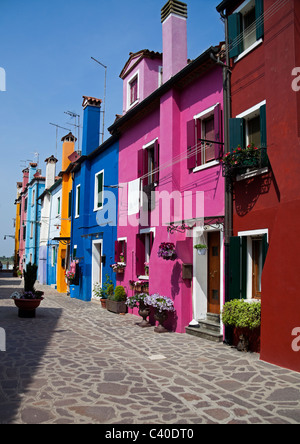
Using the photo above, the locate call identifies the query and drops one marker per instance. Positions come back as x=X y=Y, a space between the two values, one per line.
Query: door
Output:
x=96 y=263
x=213 y=279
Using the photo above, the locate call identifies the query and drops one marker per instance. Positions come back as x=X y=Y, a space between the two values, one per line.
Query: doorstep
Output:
x=208 y=328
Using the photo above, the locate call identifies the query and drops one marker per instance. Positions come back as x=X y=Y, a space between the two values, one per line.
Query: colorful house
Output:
x=44 y=201
x=262 y=201
x=64 y=211
x=36 y=186
x=95 y=196
x=171 y=187
x=17 y=227
x=23 y=217
x=55 y=193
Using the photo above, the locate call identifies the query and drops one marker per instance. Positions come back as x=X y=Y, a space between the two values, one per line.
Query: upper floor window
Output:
x=204 y=138
x=148 y=170
x=133 y=90
x=77 y=201
x=246 y=27
x=58 y=206
x=99 y=189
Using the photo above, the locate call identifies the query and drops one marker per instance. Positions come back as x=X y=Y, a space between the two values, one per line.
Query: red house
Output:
x=263 y=185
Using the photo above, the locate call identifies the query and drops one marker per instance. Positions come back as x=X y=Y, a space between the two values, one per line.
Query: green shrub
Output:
x=30 y=276
x=119 y=295
x=238 y=313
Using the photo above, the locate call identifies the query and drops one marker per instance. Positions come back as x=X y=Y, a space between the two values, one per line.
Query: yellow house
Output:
x=65 y=211
x=17 y=226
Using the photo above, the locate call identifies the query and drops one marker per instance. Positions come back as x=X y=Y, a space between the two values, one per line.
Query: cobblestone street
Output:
x=78 y=363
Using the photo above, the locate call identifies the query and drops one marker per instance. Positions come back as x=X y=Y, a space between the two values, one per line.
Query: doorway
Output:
x=213 y=272
x=96 y=263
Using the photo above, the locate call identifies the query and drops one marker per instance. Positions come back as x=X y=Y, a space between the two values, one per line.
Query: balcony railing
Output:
x=244 y=160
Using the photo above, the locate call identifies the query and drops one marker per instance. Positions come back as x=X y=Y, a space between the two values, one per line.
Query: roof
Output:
x=188 y=74
x=68 y=136
x=144 y=53
x=91 y=101
x=224 y=5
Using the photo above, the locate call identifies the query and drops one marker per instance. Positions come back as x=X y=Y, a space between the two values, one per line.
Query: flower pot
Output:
x=116 y=306
x=144 y=312
x=161 y=317
x=201 y=251
x=103 y=302
x=27 y=307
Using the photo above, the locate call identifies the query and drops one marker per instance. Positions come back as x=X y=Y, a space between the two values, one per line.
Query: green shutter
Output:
x=265 y=247
x=238 y=268
x=259 y=15
x=236 y=133
x=100 y=190
x=234 y=268
x=235 y=35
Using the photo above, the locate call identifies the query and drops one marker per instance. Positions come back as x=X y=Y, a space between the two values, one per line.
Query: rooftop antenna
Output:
x=77 y=125
x=37 y=157
x=58 y=126
x=105 y=67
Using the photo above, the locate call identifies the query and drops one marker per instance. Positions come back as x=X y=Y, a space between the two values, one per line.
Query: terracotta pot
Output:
x=27 y=307
x=103 y=303
x=161 y=317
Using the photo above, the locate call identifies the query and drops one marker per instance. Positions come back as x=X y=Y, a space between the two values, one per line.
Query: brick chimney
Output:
x=174 y=31
x=91 y=124
x=50 y=171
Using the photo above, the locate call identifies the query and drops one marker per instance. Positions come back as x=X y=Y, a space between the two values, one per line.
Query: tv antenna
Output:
x=58 y=126
x=105 y=67
x=77 y=125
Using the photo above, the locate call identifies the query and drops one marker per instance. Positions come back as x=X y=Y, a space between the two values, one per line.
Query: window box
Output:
x=244 y=160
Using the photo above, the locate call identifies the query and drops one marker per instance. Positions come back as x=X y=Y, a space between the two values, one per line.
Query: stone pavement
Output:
x=80 y=364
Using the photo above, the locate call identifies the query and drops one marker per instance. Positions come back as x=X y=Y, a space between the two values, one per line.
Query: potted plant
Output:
x=244 y=317
x=139 y=301
x=30 y=299
x=102 y=292
x=146 y=265
x=116 y=302
x=119 y=267
x=167 y=251
x=201 y=248
x=163 y=305
x=70 y=276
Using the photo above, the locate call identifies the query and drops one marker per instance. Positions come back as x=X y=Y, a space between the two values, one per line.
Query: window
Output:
x=24 y=232
x=25 y=205
x=245 y=27
x=58 y=206
x=247 y=256
x=99 y=190
x=148 y=170
x=249 y=127
x=33 y=198
x=31 y=230
x=144 y=244
x=133 y=90
x=77 y=208
x=204 y=138
x=53 y=258
x=121 y=250
x=160 y=76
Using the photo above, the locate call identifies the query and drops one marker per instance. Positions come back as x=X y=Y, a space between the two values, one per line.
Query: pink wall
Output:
x=168 y=124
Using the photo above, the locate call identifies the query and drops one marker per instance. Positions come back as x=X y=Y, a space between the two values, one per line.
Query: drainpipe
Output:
x=228 y=229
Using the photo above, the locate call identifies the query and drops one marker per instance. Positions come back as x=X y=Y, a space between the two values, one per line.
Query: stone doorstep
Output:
x=208 y=329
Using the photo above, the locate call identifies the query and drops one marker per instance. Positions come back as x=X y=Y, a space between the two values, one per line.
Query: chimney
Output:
x=25 y=178
x=91 y=124
x=32 y=171
x=174 y=31
x=50 y=171
x=67 y=149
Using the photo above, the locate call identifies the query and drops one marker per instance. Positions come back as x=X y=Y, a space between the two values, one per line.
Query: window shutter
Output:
x=191 y=142
x=259 y=15
x=263 y=126
x=140 y=254
x=117 y=251
x=243 y=267
x=238 y=268
x=143 y=165
x=151 y=234
x=199 y=144
x=218 y=132
x=78 y=201
x=156 y=161
x=265 y=247
x=236 y=133
x=235 y=34
x=125 y=251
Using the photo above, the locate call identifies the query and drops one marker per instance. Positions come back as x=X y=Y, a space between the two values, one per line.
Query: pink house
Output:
x=171 y=187
x=23 y=218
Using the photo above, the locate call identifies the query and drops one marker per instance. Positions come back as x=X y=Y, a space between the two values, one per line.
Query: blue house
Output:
x=36 y=186
x=94 y=204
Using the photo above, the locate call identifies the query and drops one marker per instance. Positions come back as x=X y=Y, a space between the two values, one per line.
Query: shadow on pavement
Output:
x=26 y=342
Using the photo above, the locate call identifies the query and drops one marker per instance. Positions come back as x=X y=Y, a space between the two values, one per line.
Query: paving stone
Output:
x=76 y=363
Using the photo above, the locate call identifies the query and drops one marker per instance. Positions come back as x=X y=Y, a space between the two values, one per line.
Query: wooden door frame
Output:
x=200 y=282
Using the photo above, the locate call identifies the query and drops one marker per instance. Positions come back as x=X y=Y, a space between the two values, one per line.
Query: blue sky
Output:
x=46 y=49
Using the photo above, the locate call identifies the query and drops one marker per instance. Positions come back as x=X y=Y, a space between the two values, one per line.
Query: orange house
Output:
x=65 y=211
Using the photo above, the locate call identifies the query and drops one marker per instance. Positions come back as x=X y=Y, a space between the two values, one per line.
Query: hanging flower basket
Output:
x=119 y=267
x=201 y=249
x=167 y=251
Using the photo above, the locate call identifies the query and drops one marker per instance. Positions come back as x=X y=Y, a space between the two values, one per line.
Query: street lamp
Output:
x=105 y=67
